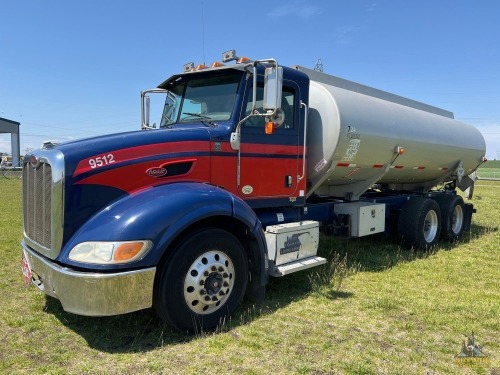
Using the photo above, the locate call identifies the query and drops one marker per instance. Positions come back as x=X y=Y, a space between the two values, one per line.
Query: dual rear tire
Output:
x=423 y=221
x=452 y=216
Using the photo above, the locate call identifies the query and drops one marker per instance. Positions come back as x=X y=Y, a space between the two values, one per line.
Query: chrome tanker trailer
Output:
x=247 y=163
x=359 y=136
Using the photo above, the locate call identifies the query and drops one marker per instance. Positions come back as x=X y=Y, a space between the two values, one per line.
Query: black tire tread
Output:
x=411 y=221
x=447 y=204
x=168 y=298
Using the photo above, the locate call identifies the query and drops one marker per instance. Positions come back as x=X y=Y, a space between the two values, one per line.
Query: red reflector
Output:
x=378 y=165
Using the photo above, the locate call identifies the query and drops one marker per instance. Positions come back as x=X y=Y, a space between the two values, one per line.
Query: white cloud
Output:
x=297 y=9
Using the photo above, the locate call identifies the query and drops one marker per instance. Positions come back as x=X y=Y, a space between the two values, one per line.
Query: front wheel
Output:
x=203 y=282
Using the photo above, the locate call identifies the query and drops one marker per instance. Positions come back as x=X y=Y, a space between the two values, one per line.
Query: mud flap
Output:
x=468 y=211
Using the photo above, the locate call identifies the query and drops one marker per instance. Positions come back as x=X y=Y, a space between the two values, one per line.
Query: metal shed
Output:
x=12 y=127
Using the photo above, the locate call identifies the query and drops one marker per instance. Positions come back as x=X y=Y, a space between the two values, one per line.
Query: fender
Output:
x=160 y=214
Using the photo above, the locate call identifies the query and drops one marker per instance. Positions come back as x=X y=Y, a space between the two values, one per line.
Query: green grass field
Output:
x=490 y=169
x=375 y=309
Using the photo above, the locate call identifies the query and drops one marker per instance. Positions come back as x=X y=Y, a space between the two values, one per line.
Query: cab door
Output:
x=269 y=163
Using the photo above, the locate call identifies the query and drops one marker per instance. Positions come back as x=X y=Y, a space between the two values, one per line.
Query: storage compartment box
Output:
x=366 y=218
x=292 y=241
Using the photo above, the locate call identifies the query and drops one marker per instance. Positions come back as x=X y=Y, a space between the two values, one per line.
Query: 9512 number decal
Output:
x=101 y=161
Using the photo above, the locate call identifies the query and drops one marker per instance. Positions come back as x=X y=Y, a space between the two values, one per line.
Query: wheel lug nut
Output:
x=206 y=273
x=214 y=298
x=207 y=298
x=221 y=293
x=202 y=282
x=203 y=292
x=214 y=268
x=225 y=275
x=225 y=284
x=220 y=269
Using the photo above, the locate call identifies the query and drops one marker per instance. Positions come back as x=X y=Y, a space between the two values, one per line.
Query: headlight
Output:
x=110 y=252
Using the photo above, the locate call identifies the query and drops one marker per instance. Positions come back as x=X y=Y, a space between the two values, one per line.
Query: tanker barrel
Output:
x=356 y=135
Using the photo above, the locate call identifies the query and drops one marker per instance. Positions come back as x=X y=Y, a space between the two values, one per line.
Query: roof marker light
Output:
x=217 y=64
x=201 y=67
x=242 y=60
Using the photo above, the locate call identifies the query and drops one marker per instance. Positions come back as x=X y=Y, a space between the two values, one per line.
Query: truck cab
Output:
x=265 y=168
x=169 y=216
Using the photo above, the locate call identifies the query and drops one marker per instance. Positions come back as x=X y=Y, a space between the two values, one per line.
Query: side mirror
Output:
x=273 y=83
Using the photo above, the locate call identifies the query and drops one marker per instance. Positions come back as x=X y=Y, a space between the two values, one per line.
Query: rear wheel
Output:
x=203 y=282
x=452 y=216
x=419 y=223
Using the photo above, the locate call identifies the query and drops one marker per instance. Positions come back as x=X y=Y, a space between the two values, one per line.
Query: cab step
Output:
x=298 y=265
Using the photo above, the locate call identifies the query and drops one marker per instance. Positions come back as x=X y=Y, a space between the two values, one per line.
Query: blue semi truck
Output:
x=248 y=162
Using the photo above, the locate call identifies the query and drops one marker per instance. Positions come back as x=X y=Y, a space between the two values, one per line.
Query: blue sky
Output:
x=75 y=69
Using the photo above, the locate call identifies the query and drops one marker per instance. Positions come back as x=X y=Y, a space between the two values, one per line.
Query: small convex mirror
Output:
x=273 y=82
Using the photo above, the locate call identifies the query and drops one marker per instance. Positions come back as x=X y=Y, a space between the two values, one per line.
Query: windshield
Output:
x=209 y=98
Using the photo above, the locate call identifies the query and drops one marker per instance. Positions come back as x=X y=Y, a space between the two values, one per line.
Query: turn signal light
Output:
x=127 y=250
x=269 y=127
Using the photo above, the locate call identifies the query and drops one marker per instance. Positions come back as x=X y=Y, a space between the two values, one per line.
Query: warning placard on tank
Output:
x=352 y=149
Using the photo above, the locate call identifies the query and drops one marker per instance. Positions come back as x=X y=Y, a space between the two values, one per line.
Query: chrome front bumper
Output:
x=92 y=294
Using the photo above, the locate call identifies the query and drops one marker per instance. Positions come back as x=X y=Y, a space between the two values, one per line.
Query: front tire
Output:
x=419 y=223
x=203 y=282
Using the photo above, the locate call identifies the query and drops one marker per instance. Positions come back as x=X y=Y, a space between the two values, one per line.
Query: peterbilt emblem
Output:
x=34 y=161
x=156 y=172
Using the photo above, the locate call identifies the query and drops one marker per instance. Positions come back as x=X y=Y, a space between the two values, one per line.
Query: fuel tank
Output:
x=359 y=136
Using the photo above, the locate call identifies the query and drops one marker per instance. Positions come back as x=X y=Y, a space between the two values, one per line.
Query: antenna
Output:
x=203 y=30
x=319 y=66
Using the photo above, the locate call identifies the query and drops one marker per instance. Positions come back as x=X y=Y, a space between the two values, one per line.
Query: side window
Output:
x=287 y=105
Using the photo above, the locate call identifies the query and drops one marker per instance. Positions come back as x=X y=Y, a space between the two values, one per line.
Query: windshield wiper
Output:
x=199 y=115
x=203 y=117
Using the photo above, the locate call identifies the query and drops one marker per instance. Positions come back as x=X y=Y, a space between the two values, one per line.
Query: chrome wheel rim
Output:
x=457 y=219
x=430 y=226
x=209 y=282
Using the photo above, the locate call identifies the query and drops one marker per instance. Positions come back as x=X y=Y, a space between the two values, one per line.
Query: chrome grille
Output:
x=37 y=203
x=43 y=201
